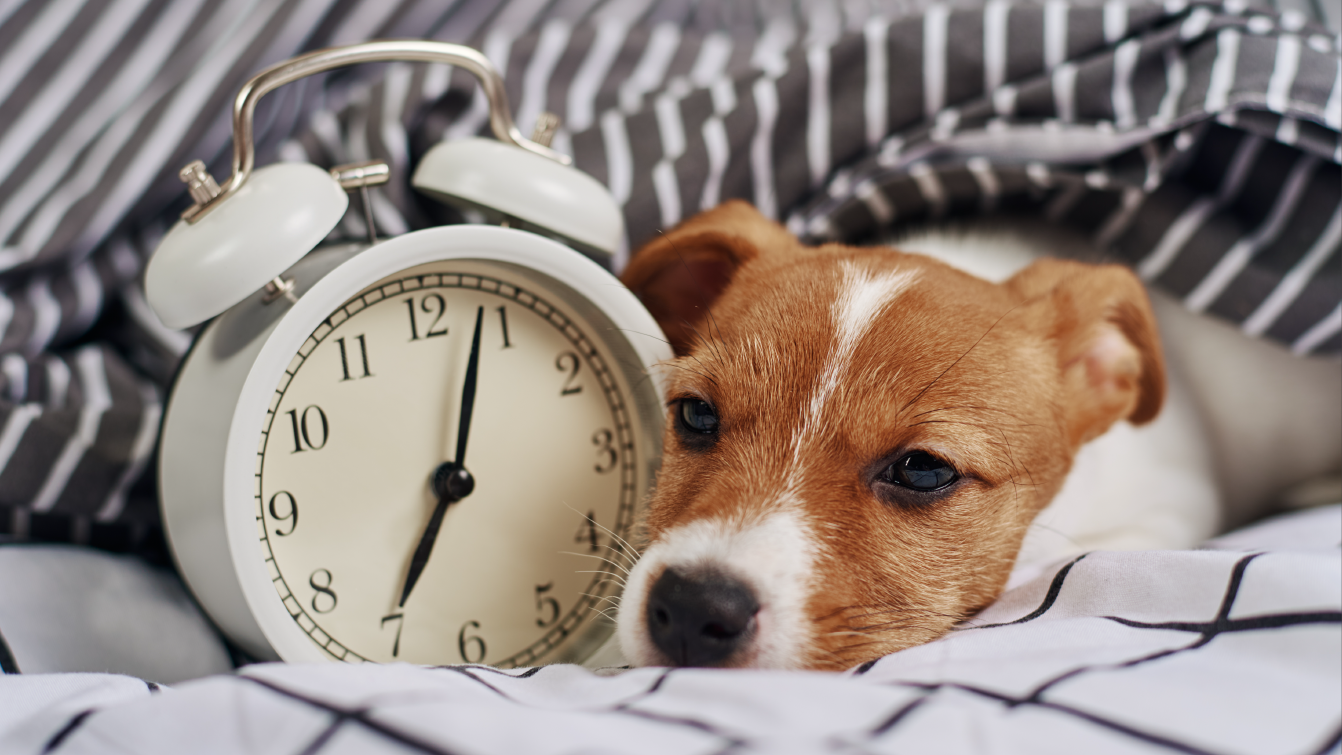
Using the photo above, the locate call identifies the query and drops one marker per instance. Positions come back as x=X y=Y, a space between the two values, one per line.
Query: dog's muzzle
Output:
x=700 y=618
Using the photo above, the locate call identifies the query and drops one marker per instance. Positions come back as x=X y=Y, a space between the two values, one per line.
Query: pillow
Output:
x=65 y=608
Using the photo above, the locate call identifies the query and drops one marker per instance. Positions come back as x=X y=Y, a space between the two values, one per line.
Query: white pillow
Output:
x=65 y=608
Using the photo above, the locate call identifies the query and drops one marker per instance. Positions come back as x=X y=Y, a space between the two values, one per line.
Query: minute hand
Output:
x=468 y=393
x=451 y=481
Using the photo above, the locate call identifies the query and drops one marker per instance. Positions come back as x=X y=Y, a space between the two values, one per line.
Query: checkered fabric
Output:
x=1231 y=650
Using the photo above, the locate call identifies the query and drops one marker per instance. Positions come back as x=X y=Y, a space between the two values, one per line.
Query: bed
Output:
x=1231 y=648
x=1196 y=141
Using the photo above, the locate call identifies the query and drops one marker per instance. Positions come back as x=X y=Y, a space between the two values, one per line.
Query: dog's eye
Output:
x=697 y=416
x=920 y=471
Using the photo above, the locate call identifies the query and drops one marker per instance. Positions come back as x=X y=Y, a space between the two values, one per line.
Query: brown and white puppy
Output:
x=858 y=439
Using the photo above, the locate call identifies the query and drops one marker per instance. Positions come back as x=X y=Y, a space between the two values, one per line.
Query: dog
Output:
x=859 y=441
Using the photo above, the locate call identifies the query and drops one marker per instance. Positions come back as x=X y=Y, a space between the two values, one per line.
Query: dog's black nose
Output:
x=702 y=618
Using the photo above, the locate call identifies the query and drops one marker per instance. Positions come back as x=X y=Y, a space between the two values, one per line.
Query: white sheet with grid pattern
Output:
x=1236 y=648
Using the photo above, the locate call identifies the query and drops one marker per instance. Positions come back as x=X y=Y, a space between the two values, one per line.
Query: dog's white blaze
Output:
x=773 y=556
x=862 y=297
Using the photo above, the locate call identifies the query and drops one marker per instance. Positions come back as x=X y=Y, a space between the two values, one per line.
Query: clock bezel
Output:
x=579 y=282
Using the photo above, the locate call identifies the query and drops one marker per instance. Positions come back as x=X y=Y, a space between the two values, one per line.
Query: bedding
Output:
x=1197 y=141
x=1233 y=649
x=64 y=608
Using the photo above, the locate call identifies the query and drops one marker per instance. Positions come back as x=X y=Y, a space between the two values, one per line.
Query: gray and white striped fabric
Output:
x=1197 y=141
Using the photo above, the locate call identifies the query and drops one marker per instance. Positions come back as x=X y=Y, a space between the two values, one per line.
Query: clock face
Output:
x=520 y=568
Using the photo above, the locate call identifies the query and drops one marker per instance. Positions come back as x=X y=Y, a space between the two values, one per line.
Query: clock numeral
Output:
x=546 y=604
x=303 y=424
x=399 y=618
x=569 y=362
x=437 y=312
x=587 y=532
x=472 y=647
x=322 y=590
x=503 y=320
x=344 y=359
x=604 y=441
x=292 y=512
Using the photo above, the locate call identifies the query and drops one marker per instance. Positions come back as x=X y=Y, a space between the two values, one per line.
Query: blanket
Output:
x=1234 y=649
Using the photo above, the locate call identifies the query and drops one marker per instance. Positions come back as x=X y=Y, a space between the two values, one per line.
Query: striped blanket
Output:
x=1197 y=141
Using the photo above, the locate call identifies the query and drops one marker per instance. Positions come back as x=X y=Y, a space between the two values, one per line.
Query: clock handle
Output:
x=241 y=236
x=208 y=195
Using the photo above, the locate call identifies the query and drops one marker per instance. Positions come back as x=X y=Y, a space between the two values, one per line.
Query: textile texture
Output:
x=1230 y=650
x=1198 y=142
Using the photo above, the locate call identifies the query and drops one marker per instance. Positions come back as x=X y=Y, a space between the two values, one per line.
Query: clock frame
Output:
x=209 y=449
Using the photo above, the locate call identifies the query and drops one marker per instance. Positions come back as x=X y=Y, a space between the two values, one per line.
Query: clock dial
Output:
x=371 y=407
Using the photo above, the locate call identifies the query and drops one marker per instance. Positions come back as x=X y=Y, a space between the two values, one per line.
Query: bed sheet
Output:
x=1234 y=649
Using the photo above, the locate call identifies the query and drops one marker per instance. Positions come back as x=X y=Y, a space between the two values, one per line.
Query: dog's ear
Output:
x=1108 y=343
x=679 y=274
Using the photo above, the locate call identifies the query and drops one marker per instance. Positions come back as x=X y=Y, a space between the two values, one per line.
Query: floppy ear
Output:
x=680 y=274
x=1108 y=343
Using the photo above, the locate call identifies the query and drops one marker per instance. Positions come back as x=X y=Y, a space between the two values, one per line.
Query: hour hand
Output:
x=421 y=556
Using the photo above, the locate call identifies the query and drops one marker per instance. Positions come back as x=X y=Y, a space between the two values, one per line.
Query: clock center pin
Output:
x=452 y=482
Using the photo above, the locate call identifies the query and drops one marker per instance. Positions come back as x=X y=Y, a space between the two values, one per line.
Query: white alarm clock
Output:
x=432 y=449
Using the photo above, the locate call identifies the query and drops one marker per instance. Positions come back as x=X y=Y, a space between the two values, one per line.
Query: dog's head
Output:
x=858 y=438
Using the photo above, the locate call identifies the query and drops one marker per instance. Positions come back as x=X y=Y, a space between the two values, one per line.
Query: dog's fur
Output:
x=826 y=365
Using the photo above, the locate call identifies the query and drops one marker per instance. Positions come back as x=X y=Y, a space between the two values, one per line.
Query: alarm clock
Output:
x=430 y=449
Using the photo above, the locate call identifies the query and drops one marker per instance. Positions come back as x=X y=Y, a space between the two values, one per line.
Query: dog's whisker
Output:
x=603 y=585
x=634 y=553
x=703 y=374
x=845 y=633
x=903 y=627
x=613 y=600
x=707 y=341
x=622 y=550
x=641 y=333
x=713 y=322
x=692 y=355
x=1055 y=531
x=928 y=387
x=979 y=407
x=624 y=544
x=882 y=610
x=599 y=558
x=612 y=577
x=610 y=613
x=609 y=574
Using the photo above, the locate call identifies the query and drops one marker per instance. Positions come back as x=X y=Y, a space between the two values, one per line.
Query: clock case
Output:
x=208 y=442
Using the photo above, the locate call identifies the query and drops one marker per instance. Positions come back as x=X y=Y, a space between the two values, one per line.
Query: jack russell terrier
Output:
x=859 y=440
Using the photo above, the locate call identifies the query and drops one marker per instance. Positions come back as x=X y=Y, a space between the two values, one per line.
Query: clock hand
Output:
x=468 y=393
x=451 y=481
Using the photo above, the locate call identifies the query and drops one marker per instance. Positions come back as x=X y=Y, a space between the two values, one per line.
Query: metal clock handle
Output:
x=207 y=193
